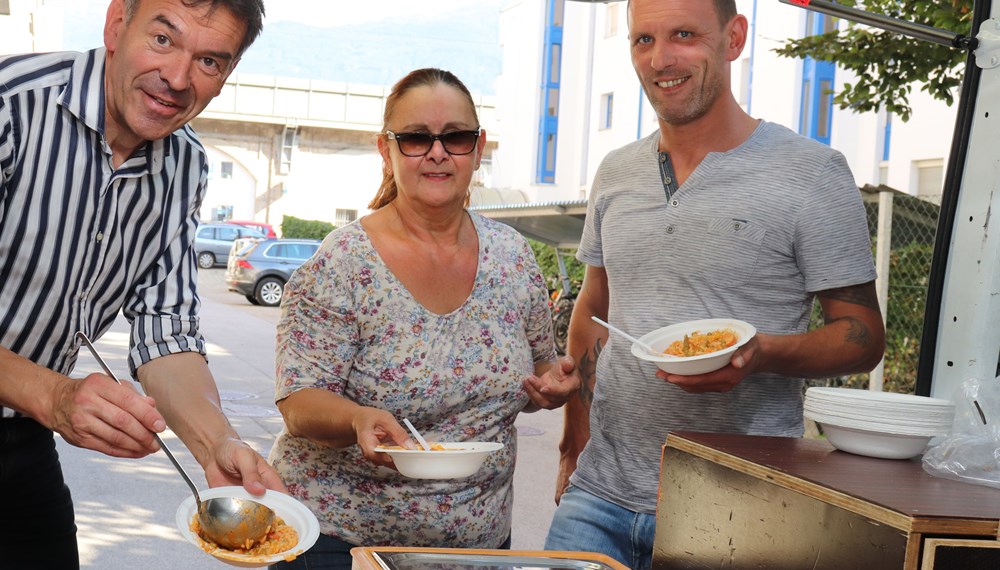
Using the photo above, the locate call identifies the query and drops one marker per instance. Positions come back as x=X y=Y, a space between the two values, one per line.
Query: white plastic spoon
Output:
x=416 y=435
x=614 y=329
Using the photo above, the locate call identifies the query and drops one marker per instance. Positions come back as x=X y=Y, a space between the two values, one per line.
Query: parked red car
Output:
x=266 y=229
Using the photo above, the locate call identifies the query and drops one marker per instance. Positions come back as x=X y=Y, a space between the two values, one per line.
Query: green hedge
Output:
x=292 y=227
x=546 y=257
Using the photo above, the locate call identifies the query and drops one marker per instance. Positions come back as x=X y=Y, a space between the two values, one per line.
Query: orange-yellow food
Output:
x=696 y=343
x=434 y=447
x=280 y=537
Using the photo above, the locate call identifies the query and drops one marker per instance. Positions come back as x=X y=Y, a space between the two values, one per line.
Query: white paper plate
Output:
x=290 y=509
x=875 y=444
x=458 y=459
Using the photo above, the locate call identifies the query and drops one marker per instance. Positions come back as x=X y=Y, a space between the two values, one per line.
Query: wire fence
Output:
x=908 y=224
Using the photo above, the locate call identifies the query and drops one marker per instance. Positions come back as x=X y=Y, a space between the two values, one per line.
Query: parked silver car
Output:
x=260 y=269
x=213 y=242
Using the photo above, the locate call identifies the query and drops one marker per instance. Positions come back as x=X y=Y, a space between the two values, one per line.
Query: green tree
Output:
x=547 y=262
x=886 y=64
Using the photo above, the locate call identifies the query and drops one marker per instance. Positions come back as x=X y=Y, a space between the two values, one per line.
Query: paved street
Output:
x=125 y=508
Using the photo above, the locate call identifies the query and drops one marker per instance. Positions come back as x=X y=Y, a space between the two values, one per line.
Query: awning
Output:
x=559 y=224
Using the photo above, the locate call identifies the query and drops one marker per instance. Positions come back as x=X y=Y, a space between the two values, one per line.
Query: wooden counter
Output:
x=733 y=501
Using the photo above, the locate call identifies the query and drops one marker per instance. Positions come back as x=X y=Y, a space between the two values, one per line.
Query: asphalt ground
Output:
x=125 y=509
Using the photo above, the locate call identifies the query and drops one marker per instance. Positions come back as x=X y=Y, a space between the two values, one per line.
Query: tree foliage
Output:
x=886 y=64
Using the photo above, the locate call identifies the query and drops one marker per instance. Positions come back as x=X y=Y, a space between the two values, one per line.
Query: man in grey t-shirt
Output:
x=715 y=215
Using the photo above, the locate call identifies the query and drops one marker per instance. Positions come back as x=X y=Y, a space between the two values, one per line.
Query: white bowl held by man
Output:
x=662 y=338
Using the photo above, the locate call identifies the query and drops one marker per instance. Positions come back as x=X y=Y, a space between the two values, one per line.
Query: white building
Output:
x=567 y=95
x=552 y=156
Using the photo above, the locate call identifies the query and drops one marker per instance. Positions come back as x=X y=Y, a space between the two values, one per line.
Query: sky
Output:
x=319 y=12
x=370 y=41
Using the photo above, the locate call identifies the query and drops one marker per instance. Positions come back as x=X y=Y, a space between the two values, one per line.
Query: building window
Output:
x=226 y=169
x=816 y=108
x=345 y=217
x=607 y=110
x=548 y=128
x=611 y=20
x=289 y=141
x=930 y=178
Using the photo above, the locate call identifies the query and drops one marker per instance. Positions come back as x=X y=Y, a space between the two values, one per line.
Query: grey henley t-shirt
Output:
x=752 y=234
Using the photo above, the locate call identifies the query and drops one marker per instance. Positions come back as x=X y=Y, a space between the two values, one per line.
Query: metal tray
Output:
x=457 y=561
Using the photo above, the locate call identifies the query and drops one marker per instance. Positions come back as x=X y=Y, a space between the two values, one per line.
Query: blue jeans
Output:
x=584 y=522
x=331 y=553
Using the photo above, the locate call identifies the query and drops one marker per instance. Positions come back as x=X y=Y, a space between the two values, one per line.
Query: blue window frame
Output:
x=888 y=136
x=548 y=127
x=817 y=85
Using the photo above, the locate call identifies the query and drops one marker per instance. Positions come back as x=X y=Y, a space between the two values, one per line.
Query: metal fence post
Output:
x=883 y=246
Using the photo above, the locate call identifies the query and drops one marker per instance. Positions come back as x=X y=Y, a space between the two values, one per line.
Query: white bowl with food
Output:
x=694 y=347
x=451 y=460
x=281 y=543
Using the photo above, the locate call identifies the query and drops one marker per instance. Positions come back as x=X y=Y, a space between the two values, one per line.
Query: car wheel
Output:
x=206 y=260
x=269 y=290
x=253 y=300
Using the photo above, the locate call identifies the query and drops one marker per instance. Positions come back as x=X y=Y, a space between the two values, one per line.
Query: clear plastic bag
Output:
x=971 y=453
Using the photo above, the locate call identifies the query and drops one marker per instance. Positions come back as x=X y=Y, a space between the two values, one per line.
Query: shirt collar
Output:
x=84 y=97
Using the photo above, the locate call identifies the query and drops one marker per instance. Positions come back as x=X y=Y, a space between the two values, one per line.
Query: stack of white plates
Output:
x=878 y=424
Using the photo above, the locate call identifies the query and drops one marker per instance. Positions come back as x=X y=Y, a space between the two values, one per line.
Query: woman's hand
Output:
x=374 y=427
x=557 y=384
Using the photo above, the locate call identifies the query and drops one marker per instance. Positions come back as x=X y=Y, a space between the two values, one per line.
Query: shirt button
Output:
x=100 y=236
x=675 y=203
x=663 y=157
x=737 y=226
x=670 y=229
x=668 y=180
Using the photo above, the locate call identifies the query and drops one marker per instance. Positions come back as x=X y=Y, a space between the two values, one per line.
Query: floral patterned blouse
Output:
x=349 y=326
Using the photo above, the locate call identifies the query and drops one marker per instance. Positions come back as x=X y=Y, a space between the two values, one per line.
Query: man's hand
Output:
x=741 y=364
x=236 y=463
x=557 y=385
x=99 y=414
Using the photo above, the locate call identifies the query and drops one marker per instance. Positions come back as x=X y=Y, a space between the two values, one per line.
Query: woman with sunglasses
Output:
x=420 y=310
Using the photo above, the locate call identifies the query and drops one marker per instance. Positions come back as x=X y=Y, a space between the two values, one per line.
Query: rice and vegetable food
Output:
x=697 y=343
x=281 y=537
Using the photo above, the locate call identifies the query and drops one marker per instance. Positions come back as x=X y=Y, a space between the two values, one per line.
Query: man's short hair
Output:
x=250 y=12
x=724 y=9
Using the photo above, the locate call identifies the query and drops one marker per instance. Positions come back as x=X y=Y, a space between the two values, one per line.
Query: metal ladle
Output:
x=230 y=522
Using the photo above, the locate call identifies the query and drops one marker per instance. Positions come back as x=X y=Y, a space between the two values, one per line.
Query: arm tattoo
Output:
x=863 y=295
x=588 y=373
x=857 y=332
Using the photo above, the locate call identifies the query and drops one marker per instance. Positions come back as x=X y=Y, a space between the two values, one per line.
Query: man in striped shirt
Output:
x=102 y=182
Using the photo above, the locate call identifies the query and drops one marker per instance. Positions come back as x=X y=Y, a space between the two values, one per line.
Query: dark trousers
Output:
x=37 y=529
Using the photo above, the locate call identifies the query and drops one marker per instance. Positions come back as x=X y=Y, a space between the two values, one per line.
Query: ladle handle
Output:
x=163 y=446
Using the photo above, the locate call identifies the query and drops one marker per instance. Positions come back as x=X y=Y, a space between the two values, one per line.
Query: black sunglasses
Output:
x=419 y=144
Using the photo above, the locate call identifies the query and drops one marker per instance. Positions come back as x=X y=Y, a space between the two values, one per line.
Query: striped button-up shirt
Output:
x=81 y=240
